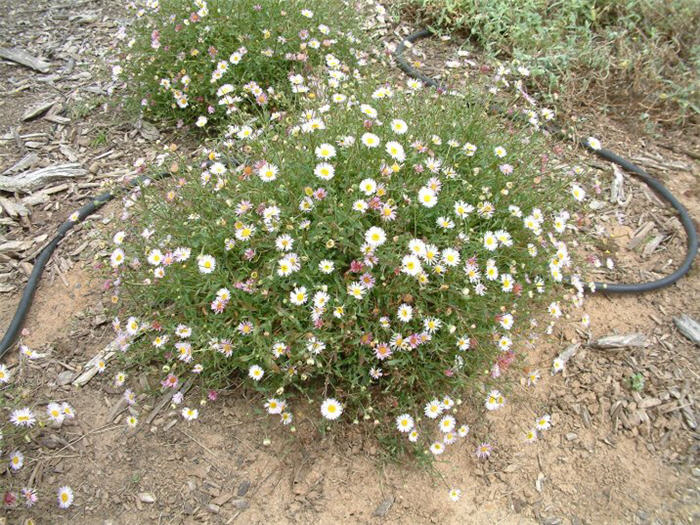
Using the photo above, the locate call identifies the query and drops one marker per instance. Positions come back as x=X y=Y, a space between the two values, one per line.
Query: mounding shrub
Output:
x=199 y=61
x=371 y=254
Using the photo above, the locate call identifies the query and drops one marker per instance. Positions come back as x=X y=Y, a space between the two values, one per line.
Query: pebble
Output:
x=384 y=507
x=241 y=504
x=64 y=377
x=147 y=497
x=243 y=488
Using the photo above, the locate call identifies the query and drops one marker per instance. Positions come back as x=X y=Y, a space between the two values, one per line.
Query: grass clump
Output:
x=195 y=62
x=648 y=50
x=371 y=254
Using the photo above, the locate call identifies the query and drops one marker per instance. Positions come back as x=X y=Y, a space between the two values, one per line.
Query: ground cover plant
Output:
x=363 y=255
x=195 y=62
x=648 y=49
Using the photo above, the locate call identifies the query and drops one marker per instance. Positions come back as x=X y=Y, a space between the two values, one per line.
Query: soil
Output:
x=613 y=455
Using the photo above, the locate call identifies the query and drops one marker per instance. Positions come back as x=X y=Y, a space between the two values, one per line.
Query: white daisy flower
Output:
x=404 y=423
x=256 y=372
x=398 y=126
x=375 y=236
x=370 y=140
x=331 y=409
x=433 y=409
x=427 y=197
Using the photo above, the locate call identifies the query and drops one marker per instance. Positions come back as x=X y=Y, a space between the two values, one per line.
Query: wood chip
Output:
x=689 y=417
x=652 y=197
x=689 y=327
x=640 y=235
x=617 y=188
x=568 y=352
x=147 y=130
x=39 y=110
x=26 y=162
x=68 y=152
x=14 y=208
x=538 y=482
x=57 y=119
x=653 y=244
x=117 y=409
x=15 y=246
x=660 y=163
x=84 y=18
x=649 y=402
x=22 y=57
x=621 y=341
x=222 y=499
x=91 y=366
x=27 y=182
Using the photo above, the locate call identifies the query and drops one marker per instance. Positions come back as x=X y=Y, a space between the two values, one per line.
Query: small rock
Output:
x=243 y=488
x=519 y=505
x=384 y=507
x=64 y=377
x=213 y=508
x=147 y=497
x=50 y=441
x=571 y=436
x=241 y=504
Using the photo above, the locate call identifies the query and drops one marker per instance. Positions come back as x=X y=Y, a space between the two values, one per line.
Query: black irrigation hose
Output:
x=608 y=155
x=40 y=262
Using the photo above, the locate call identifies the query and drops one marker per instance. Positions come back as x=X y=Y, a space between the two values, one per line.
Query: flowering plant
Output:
x=364 y=253
x=199 y=61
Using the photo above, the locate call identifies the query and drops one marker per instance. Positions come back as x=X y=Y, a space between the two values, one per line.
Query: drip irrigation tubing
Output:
x=661 y=190
x=40 y=262
x=25 y=302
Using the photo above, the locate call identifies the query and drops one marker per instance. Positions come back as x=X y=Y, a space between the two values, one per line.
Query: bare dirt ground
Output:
x=614 y=455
